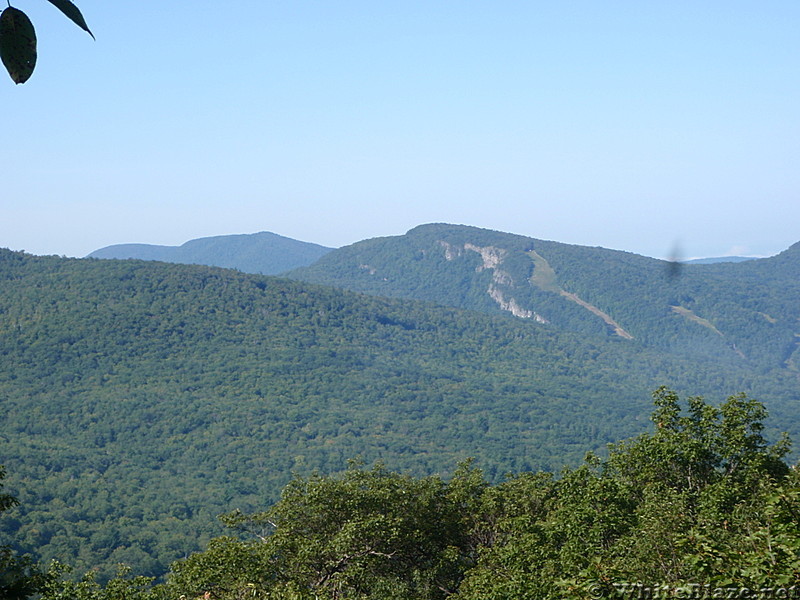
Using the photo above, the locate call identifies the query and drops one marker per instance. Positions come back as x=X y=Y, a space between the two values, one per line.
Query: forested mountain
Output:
x=744 y=313
x=263 y=253
x=702 y=506
x=718 y=259
x=141 y=399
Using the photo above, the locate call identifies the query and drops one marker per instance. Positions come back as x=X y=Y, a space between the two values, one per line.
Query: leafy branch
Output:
x=18 y=38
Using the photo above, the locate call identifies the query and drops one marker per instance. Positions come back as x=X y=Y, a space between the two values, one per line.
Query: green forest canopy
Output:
x=141 y=400
x=701 y=503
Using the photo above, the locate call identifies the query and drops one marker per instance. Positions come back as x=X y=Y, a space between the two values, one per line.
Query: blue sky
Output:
x=626 y=124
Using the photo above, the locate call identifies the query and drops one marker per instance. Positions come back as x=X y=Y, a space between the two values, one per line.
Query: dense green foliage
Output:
x=368 y=533
x=140 y=400
x=692 y=503
x=262 y=253
x=20 y=577
x=743 y=313
x=703 y=503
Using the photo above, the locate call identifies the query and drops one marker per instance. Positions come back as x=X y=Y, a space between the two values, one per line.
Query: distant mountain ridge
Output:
x=263 y=253
x=719 y=259
x=696 y=308
x=746 y=311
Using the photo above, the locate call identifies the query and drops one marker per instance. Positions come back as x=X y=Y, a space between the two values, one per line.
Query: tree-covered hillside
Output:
x=744 y=313
x=701 y=506
x=262 y=253
x=142 y=399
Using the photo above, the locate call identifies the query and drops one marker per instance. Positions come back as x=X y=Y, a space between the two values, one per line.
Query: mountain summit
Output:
x=261 y=253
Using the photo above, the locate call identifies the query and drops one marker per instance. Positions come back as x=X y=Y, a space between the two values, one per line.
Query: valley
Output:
x=142 y=399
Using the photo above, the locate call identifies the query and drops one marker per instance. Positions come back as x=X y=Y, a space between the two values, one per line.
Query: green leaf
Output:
x=73 y=13
x=17 y=44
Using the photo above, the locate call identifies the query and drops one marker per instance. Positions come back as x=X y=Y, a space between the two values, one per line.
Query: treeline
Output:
x=702 y=503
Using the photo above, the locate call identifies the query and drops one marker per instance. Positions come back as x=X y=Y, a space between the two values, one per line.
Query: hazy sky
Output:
x=626 y=124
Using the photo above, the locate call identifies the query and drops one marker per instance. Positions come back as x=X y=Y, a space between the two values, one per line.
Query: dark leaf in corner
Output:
x=17 y=44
